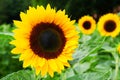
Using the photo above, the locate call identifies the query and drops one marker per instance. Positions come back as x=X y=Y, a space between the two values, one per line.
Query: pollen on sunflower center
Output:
x=110 y=26
x=87 y=25
x=47 y=40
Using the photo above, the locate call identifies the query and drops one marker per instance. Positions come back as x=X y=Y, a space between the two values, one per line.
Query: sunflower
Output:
x=109 y=25
x=87 y=24
x=45 y=39
x=118 y=48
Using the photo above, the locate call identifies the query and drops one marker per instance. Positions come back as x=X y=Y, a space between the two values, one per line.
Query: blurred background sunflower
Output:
x=109 y=25
x=87 y=24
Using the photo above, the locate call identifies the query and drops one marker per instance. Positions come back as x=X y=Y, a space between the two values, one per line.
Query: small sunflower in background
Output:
x=87 y=24
x=109 y=25
x=118 y=48
x=45 y=39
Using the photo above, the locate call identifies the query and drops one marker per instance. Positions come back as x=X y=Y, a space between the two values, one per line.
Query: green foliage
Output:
x=20 y=75
x=96 y=58
x=8 y=64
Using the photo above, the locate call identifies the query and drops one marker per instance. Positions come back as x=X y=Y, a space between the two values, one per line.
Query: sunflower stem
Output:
x=98 y=46
x=116 y=57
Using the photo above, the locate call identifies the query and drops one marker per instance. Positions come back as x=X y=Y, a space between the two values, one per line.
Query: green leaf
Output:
x=81 y=67
x=20 y=75
x=97 y=75
x=76 y=77
x=70 y=73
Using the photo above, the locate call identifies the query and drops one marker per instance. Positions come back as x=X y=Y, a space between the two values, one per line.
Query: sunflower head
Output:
x=87 y=24
x=45 y=39
x=109 y=25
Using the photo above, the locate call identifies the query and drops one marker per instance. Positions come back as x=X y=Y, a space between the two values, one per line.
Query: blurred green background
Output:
x=10 y=9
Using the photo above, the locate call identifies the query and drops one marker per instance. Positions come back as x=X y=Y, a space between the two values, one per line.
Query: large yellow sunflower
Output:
x=45 y=39
x=109 y=25
x=87 y=24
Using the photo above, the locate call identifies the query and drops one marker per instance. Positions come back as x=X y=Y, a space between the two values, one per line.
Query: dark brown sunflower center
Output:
x=87 y=25
x=110 y=26
x=50 y=40
x=47 y=40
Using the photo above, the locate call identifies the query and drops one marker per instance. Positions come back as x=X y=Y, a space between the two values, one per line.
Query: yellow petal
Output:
x=53 y=64
x=21 y=43
x=34 y=60
x=69 y=25
x=26 y=55
x=60 y=65
x=26 y=63
x=48 y=7
x=38 y=68
x=41 y=13
x=41 y=61
x=50 y=11
x=68 y=56
x=17 y=50
x=21 y=33
x=62 y=58
x=50 y=71
x=67 y=64
x=23 y=17
x=18 y=23
x=44 y=69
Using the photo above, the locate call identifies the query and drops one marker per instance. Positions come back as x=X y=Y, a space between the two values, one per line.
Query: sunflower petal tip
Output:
x=30 y=7
x=24 y=65
x=20 y=59
x=48 y=6
x=22 y=13
x=64 y=11
x=37 y=72
x=11 y=42
x=42 y=74
x=51 y=74
x=38 y=6
x=12 y=51
x=15 y=21
x=73 y=21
